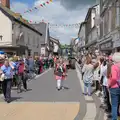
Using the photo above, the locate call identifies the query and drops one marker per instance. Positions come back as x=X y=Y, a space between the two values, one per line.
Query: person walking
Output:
x=31 y=67
x=7 y=72
x=21 y=76
x=88 y=76
x=59 y=73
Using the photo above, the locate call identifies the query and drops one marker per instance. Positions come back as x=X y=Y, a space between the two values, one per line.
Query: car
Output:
x=72 y=61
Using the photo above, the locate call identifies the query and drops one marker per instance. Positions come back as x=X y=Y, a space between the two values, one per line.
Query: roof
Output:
x=17 y=17
x=81 y=26
x=54 y=40
x=89 y=11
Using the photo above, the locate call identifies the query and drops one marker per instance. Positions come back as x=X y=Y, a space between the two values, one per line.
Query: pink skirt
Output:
x=58 y=77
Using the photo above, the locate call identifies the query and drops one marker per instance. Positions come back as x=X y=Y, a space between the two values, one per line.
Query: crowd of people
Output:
x=16 y=71
x=103 y=72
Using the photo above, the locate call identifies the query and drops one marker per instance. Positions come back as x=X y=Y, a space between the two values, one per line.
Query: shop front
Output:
x=116 y=41
x=106 y=47
x=91 y=47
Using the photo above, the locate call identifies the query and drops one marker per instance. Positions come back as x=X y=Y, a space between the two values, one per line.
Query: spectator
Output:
x=114 y=85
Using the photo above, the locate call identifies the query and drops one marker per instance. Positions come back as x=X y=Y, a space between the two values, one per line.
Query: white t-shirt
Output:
x=103 y=72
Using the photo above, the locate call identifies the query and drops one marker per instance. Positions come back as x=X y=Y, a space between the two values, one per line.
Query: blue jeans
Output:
x=115 y=99
x=87 y=88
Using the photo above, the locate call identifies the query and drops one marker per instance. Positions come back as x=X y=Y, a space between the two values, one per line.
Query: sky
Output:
x=57 y=12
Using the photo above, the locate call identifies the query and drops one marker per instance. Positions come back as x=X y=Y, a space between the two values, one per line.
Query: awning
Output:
x=89 y=44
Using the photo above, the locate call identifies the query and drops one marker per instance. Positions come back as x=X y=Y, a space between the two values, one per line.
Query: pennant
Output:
x=41 y=5
x=47 y=2
x=44 y=4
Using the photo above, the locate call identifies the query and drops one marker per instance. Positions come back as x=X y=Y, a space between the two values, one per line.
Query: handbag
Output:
x=2 y=77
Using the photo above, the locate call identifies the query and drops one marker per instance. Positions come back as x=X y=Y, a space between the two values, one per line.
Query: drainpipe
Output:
x=46 y=35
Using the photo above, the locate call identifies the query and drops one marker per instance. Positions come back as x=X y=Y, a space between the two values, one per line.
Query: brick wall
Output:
x=6 y=3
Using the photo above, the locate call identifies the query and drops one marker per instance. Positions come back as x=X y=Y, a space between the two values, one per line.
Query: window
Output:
x=117 y=14
x=110 y=17
x=28 y=40
x=33 y=40
x=1 y=37
x=38 y=41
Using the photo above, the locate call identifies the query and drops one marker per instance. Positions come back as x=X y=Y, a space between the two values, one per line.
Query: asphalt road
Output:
x=43 y=89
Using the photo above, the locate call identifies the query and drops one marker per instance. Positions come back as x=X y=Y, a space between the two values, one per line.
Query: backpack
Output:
x=21 y=68
x=58 y=70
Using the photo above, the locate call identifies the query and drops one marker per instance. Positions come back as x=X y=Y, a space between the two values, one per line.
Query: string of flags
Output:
x=56 y=25
x=39 y=6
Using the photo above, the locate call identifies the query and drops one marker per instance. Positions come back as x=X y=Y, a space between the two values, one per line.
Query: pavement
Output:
x=44 y=102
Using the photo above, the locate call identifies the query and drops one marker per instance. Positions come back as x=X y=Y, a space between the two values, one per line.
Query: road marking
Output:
x=91 y=107
x=43 y=73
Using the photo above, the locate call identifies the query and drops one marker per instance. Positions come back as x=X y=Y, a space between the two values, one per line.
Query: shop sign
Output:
x=106 y=45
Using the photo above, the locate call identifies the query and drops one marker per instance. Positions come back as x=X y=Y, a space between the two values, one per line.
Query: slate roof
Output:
x=14 y=16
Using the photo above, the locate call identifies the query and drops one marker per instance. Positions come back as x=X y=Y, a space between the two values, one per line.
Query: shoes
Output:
x=58 y=89
x=85 y=94
x=62 y=88
x=19 y=91
x=25 y=90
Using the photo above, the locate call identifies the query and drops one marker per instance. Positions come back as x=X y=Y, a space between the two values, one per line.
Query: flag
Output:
x=41 y=5
x=47 y=2
x=51 y=0
x=35 y=7
x=44 y=4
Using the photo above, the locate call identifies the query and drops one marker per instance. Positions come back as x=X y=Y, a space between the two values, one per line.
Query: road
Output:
x=43 y=101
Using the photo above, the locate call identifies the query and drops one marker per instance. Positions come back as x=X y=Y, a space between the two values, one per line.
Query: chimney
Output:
x=5 y=3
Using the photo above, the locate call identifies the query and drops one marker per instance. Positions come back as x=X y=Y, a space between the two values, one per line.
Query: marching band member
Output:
x=59 y=73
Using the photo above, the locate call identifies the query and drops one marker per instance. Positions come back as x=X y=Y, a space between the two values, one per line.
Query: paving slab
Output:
x=38 y=111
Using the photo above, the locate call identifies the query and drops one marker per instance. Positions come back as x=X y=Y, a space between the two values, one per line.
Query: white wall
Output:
x=5 y=30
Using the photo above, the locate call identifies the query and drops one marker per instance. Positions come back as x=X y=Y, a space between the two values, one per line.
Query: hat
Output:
x=116 y=57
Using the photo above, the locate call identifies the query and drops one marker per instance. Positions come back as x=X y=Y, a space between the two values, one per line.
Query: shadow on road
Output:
x=15 y=99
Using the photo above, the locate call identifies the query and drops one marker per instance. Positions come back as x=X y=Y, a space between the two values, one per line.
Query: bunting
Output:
x=76 y=25
x=39 y=6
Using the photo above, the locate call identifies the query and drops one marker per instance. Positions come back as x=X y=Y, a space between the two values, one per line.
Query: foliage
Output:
x=65 y=46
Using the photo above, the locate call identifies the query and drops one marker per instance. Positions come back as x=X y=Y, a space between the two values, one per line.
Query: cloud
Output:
x=76 y=4
x=55 y=13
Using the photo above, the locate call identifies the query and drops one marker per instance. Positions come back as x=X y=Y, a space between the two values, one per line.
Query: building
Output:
x=44 y=29
x=82 y=36
x=110 y=26
x=16 y=34
x=56 y=44
x=92 y=29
